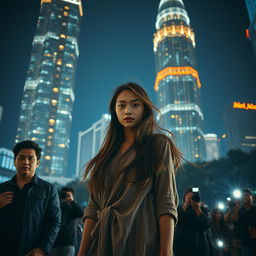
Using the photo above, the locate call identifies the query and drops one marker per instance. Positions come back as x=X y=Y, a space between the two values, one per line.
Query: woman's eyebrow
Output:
x=123 y=101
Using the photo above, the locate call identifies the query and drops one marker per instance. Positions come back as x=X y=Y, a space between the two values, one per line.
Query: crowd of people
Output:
x=229 y=232
x=133 y=207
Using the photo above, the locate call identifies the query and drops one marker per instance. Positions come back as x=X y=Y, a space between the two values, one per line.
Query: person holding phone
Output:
x=191 y=233
x=244 y=216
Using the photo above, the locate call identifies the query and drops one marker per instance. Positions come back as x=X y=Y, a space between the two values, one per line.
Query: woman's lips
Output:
x=128 y=119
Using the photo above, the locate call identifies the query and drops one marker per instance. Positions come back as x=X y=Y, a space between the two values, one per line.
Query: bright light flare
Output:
x=220 y=243
x=237 y=193
x=221 y=206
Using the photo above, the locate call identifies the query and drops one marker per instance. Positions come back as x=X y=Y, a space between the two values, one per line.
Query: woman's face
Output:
x=129 y=109
x=218 y=215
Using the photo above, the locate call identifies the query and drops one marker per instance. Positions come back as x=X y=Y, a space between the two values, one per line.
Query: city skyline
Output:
x=116 y=48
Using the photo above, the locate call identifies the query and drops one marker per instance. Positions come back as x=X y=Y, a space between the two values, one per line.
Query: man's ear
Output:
x=38 y=162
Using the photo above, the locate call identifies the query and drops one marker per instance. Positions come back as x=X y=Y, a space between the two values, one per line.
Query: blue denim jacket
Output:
x=42 y=216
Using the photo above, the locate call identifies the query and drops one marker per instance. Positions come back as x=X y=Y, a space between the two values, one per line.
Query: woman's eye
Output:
x=135 y=105
x=120 y=105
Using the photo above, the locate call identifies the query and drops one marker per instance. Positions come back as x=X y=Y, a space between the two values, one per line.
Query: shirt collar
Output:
x=34 y=179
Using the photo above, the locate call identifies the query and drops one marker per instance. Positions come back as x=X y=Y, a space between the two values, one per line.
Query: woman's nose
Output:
x=127 y=110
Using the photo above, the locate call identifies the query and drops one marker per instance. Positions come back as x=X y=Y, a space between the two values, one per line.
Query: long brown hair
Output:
x=147 y=160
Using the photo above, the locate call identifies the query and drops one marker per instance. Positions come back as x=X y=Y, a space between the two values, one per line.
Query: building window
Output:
x=51 y=122
x=59 y=62
x=51 y=130
x=63 y=36
x=54 y=102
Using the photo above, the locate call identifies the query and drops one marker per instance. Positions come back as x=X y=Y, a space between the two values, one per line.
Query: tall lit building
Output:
x=177 y=81
x=89 y=142
x=7 y=168
x=240 y=125
x=7 y=159
x=48 y=97
x=251 y=8
x=211 y=145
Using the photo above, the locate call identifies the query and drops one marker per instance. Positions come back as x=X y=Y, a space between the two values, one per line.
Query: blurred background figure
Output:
x=220 y=234
x=191 y=233
x=235 y=242
x=244 y=217
x=71 y=212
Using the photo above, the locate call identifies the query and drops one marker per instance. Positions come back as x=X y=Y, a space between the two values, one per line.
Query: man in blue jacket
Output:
x=30 y=213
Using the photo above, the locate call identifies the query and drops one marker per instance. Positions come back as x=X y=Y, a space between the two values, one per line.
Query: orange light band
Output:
x=176 y=71
x=173 y=31
x=45 y=1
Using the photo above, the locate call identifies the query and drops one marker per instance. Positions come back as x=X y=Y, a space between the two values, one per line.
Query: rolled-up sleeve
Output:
x=91 y=210
x=166 y=196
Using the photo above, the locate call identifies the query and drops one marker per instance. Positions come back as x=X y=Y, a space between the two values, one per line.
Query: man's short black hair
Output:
x=68 y=189
x=27 y=144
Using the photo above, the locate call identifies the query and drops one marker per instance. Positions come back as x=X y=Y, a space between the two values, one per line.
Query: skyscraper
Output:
x=177 y=81
x=7 y=168
x=48 y=97
x=240 y=125
x=89 y=142
x=251 y=8
x=211 y=145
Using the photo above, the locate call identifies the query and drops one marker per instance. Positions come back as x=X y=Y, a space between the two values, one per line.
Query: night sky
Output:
x=116 y=47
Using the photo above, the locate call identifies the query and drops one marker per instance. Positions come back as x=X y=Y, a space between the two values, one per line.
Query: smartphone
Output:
x=195 y=189
x=196 y=195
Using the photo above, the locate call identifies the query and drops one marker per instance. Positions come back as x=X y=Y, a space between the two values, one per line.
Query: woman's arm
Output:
x=166 y=227
x=86 y=237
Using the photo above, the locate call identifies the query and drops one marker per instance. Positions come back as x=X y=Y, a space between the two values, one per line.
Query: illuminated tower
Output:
x=48 y=97
x=177 y=81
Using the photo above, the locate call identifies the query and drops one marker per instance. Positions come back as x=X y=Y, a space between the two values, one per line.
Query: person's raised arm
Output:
x=235 y=214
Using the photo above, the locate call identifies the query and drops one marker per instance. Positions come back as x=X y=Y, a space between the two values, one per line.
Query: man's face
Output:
x=26 y=163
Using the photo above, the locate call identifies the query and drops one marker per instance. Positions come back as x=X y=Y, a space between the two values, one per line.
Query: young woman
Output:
x=133 y=197
x=220 y=232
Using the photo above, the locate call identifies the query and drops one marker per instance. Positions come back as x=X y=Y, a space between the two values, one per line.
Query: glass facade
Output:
x=46 y=108
x=7 y=159
x=251 y=8
x=212 y=148
x=7 y=168
x=240 y=125
x=89 y=143
x=177 y=82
